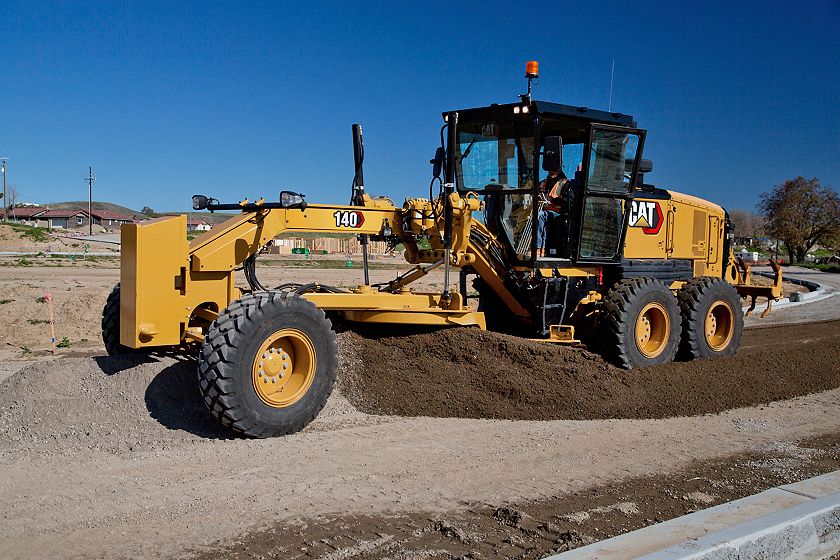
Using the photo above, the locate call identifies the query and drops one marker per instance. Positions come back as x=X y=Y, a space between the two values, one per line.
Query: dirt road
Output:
x=116 y=456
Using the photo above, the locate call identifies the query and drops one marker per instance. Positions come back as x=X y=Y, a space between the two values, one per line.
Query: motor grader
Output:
x=642 y=273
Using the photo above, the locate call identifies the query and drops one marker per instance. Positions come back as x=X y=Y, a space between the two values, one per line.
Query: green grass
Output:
x=63 y=343
x=37 y=321
x=41 y=299
x=833 y=268
x=29 y=232
x=3 y=301
x=23 y=261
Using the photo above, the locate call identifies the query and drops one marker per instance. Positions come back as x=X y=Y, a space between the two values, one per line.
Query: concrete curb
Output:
x=800 y=520
x=814 y=293
x=808 y=530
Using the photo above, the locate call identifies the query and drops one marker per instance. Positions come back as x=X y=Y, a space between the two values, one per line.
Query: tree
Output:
x=801 y=213
x=746 y=225
x=11 y=196
x=148 y=212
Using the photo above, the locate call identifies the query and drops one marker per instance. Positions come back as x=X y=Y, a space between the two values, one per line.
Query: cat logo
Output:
x=647 y=215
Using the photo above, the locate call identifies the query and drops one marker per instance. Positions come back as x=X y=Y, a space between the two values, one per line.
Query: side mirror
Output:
x=552 y=153
x=200 y=202
x=645 y=166
x=437 y=162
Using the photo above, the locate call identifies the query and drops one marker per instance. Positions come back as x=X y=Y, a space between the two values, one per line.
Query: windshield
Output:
x=492 y=155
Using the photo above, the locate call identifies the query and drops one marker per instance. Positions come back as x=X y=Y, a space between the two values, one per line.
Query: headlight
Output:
x=200 y=202
x=289 y=199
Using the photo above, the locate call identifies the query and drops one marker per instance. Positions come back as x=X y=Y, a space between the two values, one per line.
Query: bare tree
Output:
x=740 y=222
x=801 y=213
x=746 y=225
x=11 y=196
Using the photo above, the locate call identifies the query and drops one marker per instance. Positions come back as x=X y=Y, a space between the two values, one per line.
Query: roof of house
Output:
x=25 y=211
x=198 y=223
x=60 y=213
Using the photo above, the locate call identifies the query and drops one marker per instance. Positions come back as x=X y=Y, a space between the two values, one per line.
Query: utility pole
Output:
x=90 y=179
x=5 y=200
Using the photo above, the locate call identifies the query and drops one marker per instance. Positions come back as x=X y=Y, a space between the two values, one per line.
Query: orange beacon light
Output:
x=532 y=69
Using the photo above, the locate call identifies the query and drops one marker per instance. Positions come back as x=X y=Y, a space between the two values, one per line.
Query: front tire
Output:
x=712 y=320
x=641 y=321
x=268 y=364
x=111 y=324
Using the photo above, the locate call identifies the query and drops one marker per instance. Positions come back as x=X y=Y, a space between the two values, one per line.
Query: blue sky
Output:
x=173 y=98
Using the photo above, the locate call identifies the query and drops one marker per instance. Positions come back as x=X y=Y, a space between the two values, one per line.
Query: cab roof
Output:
x=577 y=115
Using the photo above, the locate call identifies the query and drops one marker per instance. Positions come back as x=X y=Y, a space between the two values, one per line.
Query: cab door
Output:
x=610 y=173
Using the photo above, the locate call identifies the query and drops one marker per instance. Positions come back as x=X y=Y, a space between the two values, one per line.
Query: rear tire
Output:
x=640 y=323
x=268 y=364
x=111 y=324
x=712 y=320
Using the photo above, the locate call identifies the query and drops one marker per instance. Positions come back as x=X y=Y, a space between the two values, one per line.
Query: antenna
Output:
x=89 y=180
x=612 y=74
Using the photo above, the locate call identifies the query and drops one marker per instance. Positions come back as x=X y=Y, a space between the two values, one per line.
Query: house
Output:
x=198 y=225
x=60 y=219
x=113 y=220
x=25 y=214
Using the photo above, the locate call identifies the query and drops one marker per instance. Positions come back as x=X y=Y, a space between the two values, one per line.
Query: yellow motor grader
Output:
x=645 y=274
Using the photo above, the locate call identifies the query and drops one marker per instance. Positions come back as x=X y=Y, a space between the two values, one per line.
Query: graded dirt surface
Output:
x=537 y=528
x=116 y=456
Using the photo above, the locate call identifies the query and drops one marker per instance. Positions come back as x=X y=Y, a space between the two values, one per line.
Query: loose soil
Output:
x=467 y=373
x=538 y=528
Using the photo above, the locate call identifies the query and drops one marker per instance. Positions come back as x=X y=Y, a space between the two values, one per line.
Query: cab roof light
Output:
x=532 y=69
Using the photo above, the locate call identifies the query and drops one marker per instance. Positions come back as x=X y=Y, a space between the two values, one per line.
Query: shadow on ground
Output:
x=112 y=365
x=172 y=396
x=173 y=399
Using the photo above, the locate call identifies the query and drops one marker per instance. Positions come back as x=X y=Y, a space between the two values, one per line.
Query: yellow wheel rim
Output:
x=720 y=326
x=653 y=327
x=284 y=368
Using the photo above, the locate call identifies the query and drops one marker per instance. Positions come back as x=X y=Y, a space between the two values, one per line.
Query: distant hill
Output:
x=83 y=204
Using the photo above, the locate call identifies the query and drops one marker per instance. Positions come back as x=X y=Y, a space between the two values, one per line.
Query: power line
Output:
x=89 y=180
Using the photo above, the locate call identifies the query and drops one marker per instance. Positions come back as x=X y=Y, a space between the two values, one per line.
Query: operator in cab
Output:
x=556 y=199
